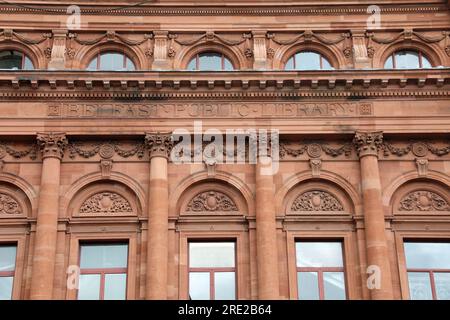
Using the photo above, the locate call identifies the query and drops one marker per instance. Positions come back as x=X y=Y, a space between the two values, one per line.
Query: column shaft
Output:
x=266 y=232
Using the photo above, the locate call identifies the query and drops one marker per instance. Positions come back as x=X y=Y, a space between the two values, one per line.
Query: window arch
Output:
x=15 y=60
x=210 y=61
x=308 y=60
x=407 y=59
x=111 y=61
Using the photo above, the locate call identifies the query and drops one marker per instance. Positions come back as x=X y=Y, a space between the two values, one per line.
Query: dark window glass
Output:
x=111 y=61
x=15 y=60
x=320 y=271
x=308 y=60
x=407 y=59
x=210 y=61
x=103 y=272
x=428 y=266
x=212 y=272
x=7 y=268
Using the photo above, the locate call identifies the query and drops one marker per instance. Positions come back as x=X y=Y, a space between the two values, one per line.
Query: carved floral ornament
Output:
x=211 y=202
x=159 y=144
x=9 y=206
x=105 y=203
x=423 y=200
x=316 y=200
x=52 y=144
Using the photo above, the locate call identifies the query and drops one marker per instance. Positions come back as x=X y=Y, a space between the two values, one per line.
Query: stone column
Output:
x=367 y=145
x=266 y=230
x=52 y=146
x=159 y=146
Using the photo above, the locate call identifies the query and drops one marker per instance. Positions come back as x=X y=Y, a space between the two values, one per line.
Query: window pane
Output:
x=6 y=286
x=224 y=286
x=211 y=254
x=111 y=61
x=228 y=65
x=115 y=286
x=419 y=286
x=427 y=255
x=334 y=285
x=389 y=63
x=130 y=64
x=442 y=282
x=426 y=63
x=290 y=64
x=199 y=286
x=93 y=64
x=319 y=254
x=192 y=66
x=7 y=258
x=210 y=61
x=308 y=61
x=308 y=285
x=407 y=60
x=28 y=65
x=10 y=60
x=89 y=287
x=104 y=256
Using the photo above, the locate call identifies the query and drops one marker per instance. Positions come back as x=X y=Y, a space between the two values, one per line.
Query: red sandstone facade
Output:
x=364 y=153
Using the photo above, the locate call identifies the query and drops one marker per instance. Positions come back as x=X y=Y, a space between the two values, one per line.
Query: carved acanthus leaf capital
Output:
x=52 y=144
x=158 y=144
x=368 y=143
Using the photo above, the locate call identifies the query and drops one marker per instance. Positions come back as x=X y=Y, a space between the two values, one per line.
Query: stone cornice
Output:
x=220 y=85
x=255 y=9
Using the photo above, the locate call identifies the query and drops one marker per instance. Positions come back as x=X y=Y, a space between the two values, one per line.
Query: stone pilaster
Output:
x=160 y=146
x=266 y=228
x=360 y=57
x=259 y=50
x=160 y=51
x=58 y=56
x=367 y=145
x=52 y=146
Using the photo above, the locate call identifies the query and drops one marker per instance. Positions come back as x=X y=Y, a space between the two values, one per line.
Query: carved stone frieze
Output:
x=313 y=150
x=423 y=200
x=368 y=143
x=105 y=203
x=211 y=201
x=419 y=149
x=106 y=150
x=316 y=201
x=9 y=206
x=159 y=145
x=30 y=151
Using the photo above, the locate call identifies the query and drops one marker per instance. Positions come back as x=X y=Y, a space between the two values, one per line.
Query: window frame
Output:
x=20 y=242
x=350 y=253
x=99 y=55
x=394 y=60
x=402 y=236
x=103 y=271
x=321 y=58
x=425 y=270
x=22 y=62
x=79 y=237
x=213 y=270
x=222 y=59
x=321 y=270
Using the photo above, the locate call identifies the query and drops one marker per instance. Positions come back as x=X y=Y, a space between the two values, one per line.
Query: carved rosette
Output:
x=9 y=206
x=105 y=203
x=423 y=201
x=316 y=201
x=159 y=145
x=368 y=143
x=52 y=144
x=211 y=201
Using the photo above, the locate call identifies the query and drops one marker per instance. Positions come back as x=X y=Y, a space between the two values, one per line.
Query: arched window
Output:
x=308 y=60
x=15 y=60
x=210 y=61
x=111 y=61
x=407 y=59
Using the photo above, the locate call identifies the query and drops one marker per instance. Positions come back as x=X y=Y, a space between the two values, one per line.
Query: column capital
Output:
x=52 y=144
x=159 y=144
x=368 y=143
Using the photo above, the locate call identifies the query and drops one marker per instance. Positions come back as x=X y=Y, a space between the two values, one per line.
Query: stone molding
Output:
x=52 y=144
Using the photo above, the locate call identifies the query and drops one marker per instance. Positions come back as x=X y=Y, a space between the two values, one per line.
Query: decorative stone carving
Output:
x=108 y=203
x=422 y=167
x=159 y=145
x=57 y=52
x=52 y=144
x=368 y=143
x=316 y=166
x=419 y=149
x=2 y=151
x=106 y=167
x=314 y=150
x=211 y=201
x=423 y=201
x=316 y=201
x=31 y=152
x=9 y=206
x=106 y=151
